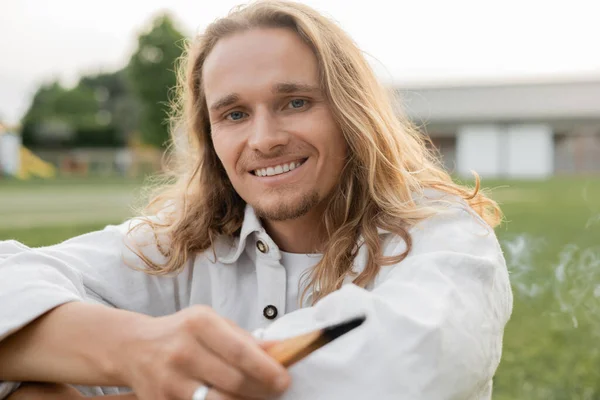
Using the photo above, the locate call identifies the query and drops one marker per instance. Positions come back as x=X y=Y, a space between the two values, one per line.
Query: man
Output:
x=293 y=165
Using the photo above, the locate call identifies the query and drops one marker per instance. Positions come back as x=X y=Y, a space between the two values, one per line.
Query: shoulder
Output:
x=454 y=249
x=453 y=226
x=135 y=241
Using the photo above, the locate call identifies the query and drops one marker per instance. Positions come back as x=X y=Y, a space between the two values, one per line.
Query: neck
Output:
x=300 y=235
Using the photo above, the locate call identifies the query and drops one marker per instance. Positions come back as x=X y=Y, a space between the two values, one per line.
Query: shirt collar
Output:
x=228 y=249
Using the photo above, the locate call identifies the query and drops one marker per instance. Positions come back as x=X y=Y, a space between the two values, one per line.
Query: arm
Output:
x=75 y=342
x=54 y=331
x=41 y=336
x=164 y=357
x=434 y=322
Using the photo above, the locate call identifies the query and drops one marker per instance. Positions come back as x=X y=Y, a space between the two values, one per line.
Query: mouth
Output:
x=279 y=169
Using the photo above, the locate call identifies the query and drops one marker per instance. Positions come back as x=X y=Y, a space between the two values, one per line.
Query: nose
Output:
x=266 y=134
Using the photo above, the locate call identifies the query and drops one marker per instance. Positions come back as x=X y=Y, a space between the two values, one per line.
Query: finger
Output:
x=267 y=344
x=236 y=349
x=240 y=330
x=215 y=394
x=208 y=366
x=264 y=344
x=188 y=389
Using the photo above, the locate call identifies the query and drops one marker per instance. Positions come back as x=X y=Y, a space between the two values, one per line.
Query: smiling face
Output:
x=271 y=126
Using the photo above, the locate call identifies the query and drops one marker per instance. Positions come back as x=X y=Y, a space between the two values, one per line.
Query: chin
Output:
x=278 y=210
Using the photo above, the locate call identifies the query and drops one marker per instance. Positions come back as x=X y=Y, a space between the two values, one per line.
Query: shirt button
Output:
x=262 y=247
x=270 y=312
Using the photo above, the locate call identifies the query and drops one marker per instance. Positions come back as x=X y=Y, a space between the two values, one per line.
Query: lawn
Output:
x=552 y=244
x=40 y=213
x=551 y=240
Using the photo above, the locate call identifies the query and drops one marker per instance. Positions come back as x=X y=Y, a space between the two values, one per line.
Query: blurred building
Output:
x=525 y=130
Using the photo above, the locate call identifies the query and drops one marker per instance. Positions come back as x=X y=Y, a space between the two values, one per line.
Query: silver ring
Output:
x=201 y=393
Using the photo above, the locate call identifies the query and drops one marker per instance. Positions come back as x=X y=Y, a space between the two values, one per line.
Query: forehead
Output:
x=251 y=62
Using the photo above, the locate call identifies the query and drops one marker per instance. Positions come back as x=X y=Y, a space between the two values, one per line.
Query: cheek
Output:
x=228 y=143
x=225 y=152
x=322 y=130
x=337 y=143
x=334 y=136
x=340 y=144
x=339 y=153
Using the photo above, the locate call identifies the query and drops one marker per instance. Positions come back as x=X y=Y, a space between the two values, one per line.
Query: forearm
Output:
x=74 y=343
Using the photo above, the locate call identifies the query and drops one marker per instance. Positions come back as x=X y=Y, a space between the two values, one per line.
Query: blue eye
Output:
x=235 y=115
x=297 y=103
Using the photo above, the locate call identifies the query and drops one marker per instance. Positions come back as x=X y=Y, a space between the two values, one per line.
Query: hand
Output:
x=167 y=358
x=45 y=391
x=215 y=394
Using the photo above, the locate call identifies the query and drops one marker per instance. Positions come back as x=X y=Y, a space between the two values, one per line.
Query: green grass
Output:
x=41 y=213
x=551 y=240
x=552 y=244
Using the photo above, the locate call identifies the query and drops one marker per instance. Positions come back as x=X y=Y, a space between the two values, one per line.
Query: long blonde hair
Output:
x=389 y=159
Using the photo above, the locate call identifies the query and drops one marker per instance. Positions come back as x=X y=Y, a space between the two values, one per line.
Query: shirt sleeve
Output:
x=98 y=267
x=434 y=323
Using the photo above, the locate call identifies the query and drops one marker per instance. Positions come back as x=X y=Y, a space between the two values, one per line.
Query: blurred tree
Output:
x=116 y=101
x=151 y=71
x=107 y=109
x=41 y=124
x=60 y=117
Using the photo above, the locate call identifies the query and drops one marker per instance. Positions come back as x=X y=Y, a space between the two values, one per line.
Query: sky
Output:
x=410 y=43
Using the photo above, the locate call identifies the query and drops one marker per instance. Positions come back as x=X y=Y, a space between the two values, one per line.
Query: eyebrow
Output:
x=225 y=101
x=292 y=87
x=278 y=88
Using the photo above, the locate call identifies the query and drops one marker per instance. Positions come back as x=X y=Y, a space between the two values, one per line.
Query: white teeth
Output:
x=277 y=170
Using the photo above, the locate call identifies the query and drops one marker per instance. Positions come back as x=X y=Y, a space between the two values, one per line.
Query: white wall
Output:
x=477 y=149
x=530 y=151
x=10 y=145
x=505 y=151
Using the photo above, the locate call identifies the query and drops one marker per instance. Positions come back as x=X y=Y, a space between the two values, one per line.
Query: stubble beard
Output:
x=288 y=210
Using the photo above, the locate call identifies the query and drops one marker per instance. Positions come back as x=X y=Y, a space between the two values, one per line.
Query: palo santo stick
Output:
x=292 y=350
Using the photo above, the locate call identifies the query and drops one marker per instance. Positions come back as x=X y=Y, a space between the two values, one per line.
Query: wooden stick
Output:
x=290 y=351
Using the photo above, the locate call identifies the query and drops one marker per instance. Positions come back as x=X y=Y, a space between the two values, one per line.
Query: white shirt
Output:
x=296 y=266
x=434 y=324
